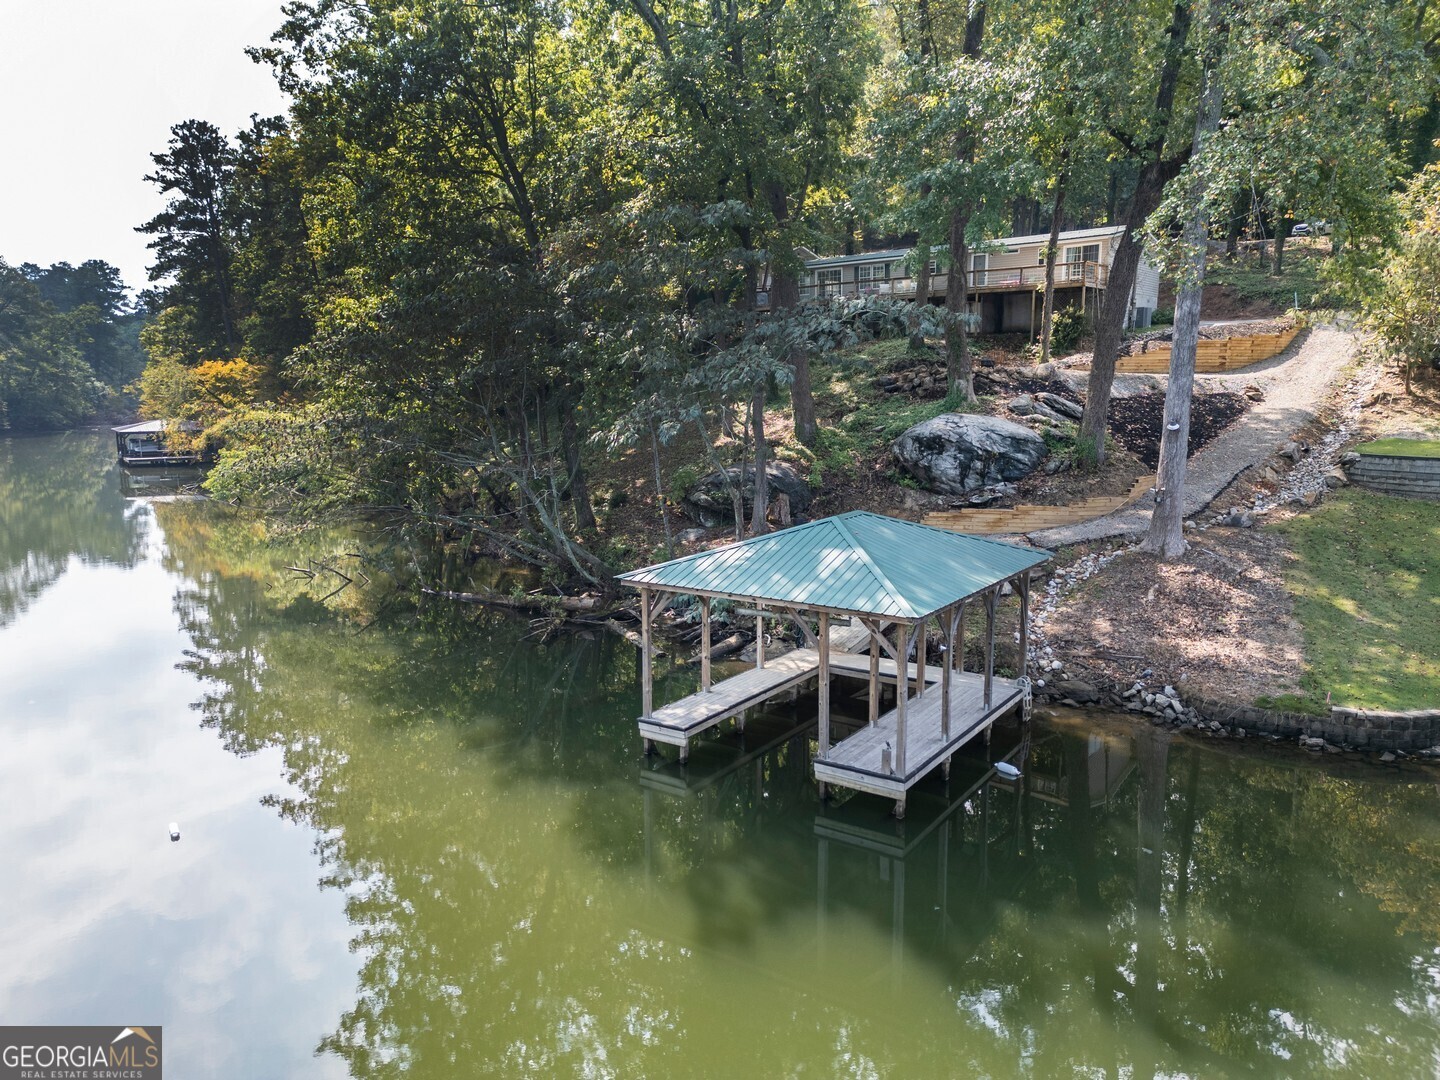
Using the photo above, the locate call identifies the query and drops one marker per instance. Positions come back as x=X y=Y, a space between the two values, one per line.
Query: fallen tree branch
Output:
x=539 y=603
x=732 y=644
x=631 y=636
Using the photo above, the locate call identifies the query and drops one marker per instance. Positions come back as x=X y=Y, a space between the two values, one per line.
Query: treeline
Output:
x=69 y=344
x=488 y=239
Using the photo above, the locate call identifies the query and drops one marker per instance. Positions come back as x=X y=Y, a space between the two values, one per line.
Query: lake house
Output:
x=1007 y=278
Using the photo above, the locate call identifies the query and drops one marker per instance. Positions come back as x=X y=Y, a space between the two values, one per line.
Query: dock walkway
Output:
x=675 y=724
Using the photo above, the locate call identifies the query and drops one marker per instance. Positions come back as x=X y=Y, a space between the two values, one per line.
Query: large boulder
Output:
x=710 y=503
x=956 y=453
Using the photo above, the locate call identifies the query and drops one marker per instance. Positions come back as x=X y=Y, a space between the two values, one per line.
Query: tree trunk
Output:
x=1282 y=226
x=784 y=297
x=1110 y=324
x=1052 y=249
x=1239 y=214
x=758 y=525
x=579 y=487
x=1149 y=187
x=1166 y=537
x=922 y=296
x=660 y=493
x=958 y=366
x=959 y=372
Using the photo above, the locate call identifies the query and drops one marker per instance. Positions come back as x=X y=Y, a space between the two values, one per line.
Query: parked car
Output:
x=1302 y=229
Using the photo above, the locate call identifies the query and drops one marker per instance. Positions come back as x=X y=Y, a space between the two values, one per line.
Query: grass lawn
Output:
x=1366 y=582
x=1423 y=448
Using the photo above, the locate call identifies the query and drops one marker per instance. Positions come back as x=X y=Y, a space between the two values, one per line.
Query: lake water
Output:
x=423 y=845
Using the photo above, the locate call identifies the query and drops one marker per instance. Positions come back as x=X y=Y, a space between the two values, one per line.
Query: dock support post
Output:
x=960 y=640
x=874 y=676
x=902 y=694
x=759 y=637
x=1025 y=624
x=705 y=643
x=647 y=687
x=684 y=751
x=824 y=687
x=948 y=631
x=990 y=600
x=900 y=808
x=921 y=645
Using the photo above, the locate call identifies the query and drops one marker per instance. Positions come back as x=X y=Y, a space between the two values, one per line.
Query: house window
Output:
x=872 y=272
x=1077 y=256
x=828 y=280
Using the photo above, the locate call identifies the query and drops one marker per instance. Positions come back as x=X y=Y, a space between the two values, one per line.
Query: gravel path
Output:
x=1295 y=383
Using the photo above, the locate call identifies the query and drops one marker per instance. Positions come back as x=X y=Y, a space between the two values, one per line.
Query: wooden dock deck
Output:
x=680 y=721
x=855 y=762
x=676 y=723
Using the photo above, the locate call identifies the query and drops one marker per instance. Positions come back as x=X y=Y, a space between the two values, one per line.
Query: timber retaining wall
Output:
x=1413 y=476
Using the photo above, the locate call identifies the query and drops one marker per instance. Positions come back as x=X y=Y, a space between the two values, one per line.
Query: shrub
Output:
x=1066 y=327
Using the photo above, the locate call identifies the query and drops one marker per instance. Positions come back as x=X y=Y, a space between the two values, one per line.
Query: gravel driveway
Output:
x=1295 y=383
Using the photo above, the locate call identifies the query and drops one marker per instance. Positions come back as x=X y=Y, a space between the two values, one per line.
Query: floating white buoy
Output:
x=174 y=830
x=1008 y=771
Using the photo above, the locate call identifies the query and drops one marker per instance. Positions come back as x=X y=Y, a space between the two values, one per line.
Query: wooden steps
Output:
x=1030 y=517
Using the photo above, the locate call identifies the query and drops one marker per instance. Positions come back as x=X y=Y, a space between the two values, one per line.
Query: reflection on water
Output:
x=524 y=893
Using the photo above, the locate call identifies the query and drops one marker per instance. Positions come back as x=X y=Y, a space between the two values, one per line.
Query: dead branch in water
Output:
x=534 y=603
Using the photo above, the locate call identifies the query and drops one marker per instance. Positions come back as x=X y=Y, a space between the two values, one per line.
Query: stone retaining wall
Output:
x=1342 y=727
x=1412 y=476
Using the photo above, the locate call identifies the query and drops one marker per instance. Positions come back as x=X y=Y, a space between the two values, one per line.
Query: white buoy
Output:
x=174 y=830
x=1008 y=771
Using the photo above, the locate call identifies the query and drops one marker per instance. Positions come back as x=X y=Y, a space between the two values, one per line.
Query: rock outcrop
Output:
x=710 y=502
x=957 y=453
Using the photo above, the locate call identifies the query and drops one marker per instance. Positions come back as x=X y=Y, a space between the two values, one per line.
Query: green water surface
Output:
x=425 y=845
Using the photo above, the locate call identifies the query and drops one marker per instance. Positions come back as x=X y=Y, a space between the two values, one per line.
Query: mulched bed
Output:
x=1136 y=422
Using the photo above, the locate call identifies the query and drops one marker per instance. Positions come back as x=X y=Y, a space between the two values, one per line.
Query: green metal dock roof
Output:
x=857 y=562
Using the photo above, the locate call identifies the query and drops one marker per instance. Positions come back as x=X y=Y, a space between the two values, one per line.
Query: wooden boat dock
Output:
x=889 y=580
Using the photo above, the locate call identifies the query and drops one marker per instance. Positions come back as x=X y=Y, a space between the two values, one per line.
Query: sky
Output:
x=89 y=89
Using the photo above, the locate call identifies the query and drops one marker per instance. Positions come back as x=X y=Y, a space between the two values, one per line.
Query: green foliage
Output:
x=681 y=481
x=1085 y=454
x=1164 y=316
x=1403 y=310
x=44 y=380
x=1068 y=326
x=191 y=243
x=1366 y=581
x=1302 y=278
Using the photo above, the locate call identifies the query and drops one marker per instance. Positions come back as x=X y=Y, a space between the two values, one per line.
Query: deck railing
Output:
x=1092 y=275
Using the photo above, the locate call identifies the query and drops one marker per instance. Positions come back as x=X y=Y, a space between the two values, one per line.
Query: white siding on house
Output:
x=1146 y=295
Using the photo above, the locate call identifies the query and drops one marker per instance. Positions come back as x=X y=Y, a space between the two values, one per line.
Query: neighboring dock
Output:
x=889 y=581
